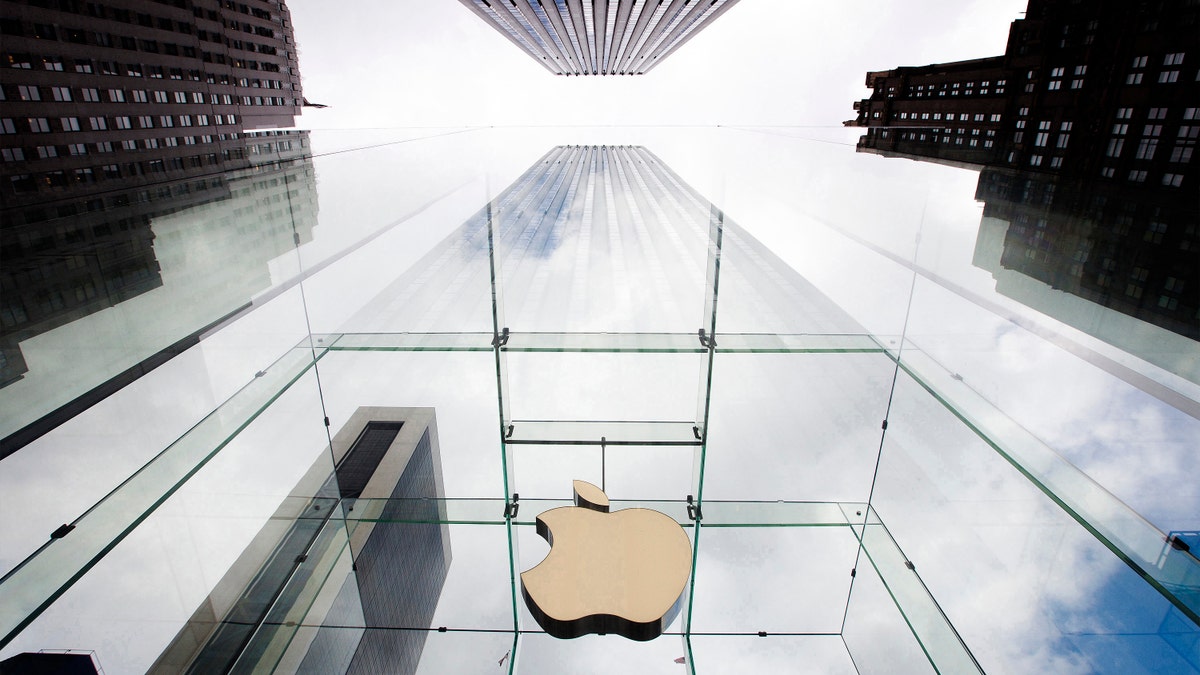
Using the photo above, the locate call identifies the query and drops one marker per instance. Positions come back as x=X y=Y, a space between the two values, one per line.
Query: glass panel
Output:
x=937 y=637
x=787 y=579
x=1175 y=572
x=771 y=654
x=26 y=590
x=799 y=427
x=1019 y=579
x=876 y=633
x=459 y=386
x=197 y=552
x=540 y=653
x=765 y=514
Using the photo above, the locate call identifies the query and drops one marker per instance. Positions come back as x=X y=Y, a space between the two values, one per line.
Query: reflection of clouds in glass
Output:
x=1018 y=578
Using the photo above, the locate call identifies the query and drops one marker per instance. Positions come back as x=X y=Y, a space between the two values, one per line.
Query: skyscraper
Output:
x=122 y=93
x=599 y=37
x=1085 y=132
x=358 y=557
x=113 y=115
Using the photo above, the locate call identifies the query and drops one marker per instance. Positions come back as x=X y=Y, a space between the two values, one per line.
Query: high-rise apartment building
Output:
x=110 y=95
x=599 y=37
x=118 y=114
x=1086 y=132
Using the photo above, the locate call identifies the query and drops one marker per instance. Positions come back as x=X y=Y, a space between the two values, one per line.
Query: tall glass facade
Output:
x=885 y=463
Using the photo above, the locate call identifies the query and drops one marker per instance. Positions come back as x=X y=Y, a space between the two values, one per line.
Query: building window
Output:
x=39 y=125
x=123 y=122
x=90 y=95
x=181 y=97
x=1133 y=78
x=1173 y=59
x=1137 y=176
x=1041 y=139
x=1062 y=141
x=1035 y=160
x=28 y=93
x=61 y=93
x=146 y=122
x=1108 y=172
x=1140 y=61
x=116 y=95
x=1172 y=179
x=98 y=123
x=1114 y=147
x=1146 y=148
x=139 y=96
x=12 y=154
x=77 y=149
x=69 y=123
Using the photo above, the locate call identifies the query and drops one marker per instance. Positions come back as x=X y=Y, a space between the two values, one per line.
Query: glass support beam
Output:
x=943 y=646
x=604 y=343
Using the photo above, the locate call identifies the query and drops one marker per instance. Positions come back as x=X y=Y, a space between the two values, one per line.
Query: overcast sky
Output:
x=385 y=64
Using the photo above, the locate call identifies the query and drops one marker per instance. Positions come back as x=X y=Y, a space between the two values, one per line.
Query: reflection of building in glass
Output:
x=362 y=610
x=598 y=37
x=1125 y=248
x=112 y=115
x=1086 y=130
x=86 y=250
x=574 y=237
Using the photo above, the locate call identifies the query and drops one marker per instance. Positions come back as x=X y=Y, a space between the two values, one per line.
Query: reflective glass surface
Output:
x=887 y=451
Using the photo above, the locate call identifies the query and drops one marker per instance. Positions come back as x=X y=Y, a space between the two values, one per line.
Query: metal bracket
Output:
x=61 y=531
x=707 y=341
x=501 y=339
x=511 y=508
x=1178 y=544
x=693 y=510
x=509 y=431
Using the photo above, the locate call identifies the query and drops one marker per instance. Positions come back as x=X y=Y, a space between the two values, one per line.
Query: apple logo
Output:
x=622 y=572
